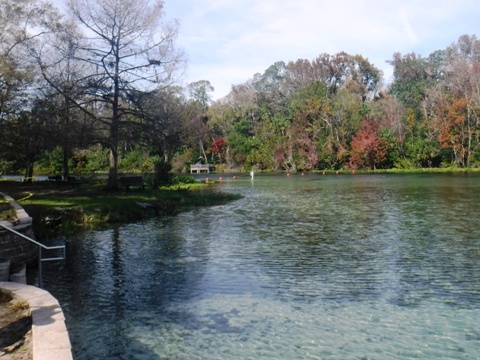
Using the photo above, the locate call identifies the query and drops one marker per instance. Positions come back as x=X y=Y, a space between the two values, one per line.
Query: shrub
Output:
x=183 y=180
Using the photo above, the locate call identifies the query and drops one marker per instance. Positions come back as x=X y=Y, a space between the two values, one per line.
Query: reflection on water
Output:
x=314 y=267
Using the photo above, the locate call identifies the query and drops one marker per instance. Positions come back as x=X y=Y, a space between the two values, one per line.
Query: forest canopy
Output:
x=98 y=91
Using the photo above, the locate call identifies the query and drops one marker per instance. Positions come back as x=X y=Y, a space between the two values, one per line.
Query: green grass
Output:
x=405 y=171
x=56 y=210
x=7 y=214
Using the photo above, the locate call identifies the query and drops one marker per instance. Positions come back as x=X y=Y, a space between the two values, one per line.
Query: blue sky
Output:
x=228 y=41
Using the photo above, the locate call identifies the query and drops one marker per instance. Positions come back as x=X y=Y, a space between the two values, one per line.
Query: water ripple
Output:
x=320 y=268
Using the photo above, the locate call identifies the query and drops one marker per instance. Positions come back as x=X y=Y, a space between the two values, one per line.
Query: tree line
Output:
x=97 y=89
x=334 y=112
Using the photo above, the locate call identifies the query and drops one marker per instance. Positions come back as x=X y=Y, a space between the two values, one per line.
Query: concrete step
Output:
x=4 y=270
x=17 y=273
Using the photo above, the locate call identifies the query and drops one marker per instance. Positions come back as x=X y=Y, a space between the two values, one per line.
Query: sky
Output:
x=228 y=41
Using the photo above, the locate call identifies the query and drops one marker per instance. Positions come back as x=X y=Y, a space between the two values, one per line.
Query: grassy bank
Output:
x=59 y=209
x=404 y=171
x=428 y=170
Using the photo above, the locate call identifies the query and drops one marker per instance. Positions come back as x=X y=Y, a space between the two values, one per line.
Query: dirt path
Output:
x=15 y=328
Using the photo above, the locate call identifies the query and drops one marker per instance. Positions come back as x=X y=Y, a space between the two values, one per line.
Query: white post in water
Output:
x=252 y=174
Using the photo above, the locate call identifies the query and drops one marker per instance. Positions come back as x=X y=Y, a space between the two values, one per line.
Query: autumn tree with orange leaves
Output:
x=369 y=151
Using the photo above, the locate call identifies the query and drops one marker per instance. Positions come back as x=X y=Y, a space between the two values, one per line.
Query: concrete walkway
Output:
x=49 y=333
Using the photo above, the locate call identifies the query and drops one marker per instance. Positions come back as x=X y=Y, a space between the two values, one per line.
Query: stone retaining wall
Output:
x=12 y=247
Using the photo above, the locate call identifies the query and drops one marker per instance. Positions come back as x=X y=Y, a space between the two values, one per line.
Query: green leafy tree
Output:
x=23 y=142
x=410 y=80
x=239 y=145
x=200 y=91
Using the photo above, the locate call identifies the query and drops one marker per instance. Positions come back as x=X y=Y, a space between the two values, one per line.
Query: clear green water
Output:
x=314 y=267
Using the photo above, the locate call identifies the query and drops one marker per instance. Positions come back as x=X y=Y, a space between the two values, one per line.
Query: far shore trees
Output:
x=97 y=89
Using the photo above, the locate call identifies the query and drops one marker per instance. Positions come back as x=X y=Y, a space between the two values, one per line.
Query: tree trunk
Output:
x=112 y=172
x=29 y=172
x=114 y=127
x=66 y=172
x=203 y=152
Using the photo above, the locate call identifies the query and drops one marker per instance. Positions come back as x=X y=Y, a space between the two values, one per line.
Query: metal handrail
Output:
x=39 y=244
x=40 y=247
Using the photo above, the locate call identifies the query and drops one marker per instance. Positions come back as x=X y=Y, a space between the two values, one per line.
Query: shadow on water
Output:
x=127 y=283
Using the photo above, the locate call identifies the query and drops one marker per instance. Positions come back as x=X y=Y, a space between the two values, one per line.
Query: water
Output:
x=314 y=267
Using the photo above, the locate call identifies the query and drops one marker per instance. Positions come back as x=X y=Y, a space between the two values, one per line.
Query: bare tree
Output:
x=131 y=53
x=19 y=28
x=65 y=84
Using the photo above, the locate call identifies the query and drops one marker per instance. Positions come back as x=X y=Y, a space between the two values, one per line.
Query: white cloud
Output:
x=407 y=27
x=228 y=41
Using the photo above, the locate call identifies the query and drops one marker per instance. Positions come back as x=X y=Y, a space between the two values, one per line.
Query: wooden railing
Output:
x=199 y=168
